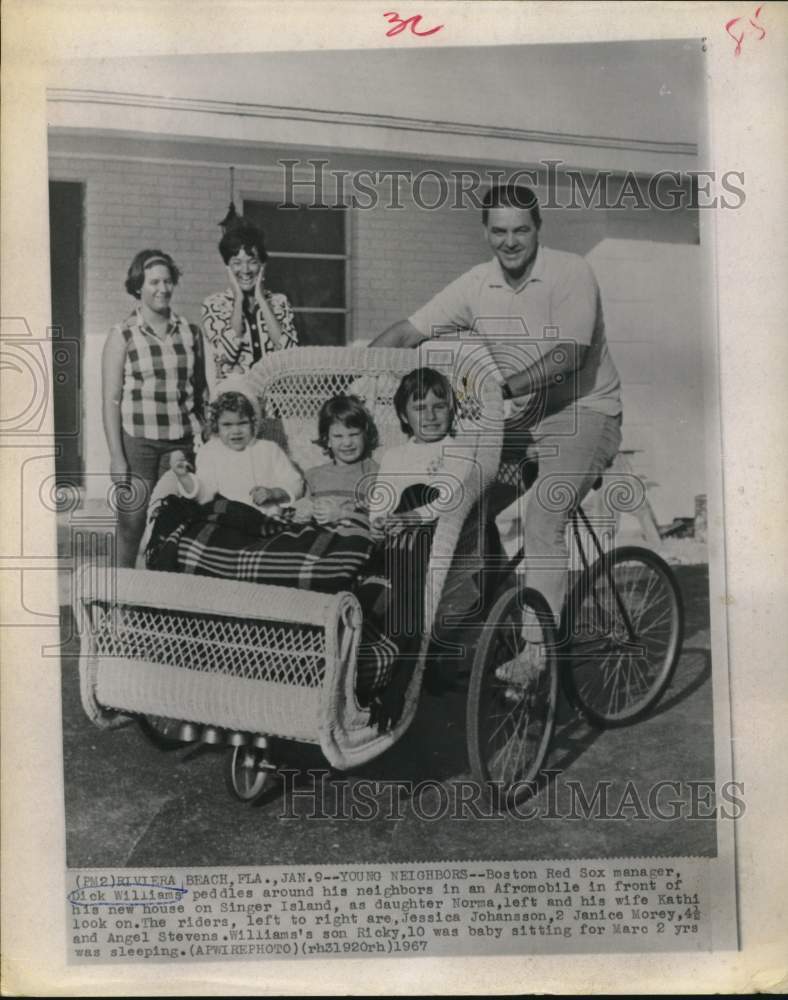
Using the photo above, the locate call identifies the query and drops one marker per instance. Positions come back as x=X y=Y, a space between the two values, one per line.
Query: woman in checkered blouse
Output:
x=153 y=375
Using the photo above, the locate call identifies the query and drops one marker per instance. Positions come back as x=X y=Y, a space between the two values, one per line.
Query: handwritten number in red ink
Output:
x=758 y=27
x=740 y=38
x=400 y=24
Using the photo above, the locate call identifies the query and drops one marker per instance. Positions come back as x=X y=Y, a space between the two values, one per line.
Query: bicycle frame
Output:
x=578 y=514
x=578 y=517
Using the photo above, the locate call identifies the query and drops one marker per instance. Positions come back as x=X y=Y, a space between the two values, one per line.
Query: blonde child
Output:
x=236 y=464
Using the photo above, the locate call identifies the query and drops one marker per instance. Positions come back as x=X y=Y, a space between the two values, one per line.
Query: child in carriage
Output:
x=339 y=488
x=236 y=464
x=425 y=405
x=401 y=498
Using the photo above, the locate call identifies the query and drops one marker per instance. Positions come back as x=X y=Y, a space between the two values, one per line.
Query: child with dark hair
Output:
x=425 y=405
x=236 y=464
x=246 y=320
x=347 y=434
x=392 y=595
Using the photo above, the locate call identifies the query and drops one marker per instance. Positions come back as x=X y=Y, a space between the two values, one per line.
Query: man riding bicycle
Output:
x=540 y=312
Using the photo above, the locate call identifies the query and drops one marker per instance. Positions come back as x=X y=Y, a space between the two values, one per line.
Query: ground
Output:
x=129 y=804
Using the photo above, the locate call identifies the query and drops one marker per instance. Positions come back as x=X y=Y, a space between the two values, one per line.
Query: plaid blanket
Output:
x=232 y=540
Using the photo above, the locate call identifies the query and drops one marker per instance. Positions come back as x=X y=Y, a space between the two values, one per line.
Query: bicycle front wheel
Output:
x=623 y=628
x=513 y=694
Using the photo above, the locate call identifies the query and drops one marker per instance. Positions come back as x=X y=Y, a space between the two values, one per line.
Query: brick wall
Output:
x=398 y=257
x=403 y=257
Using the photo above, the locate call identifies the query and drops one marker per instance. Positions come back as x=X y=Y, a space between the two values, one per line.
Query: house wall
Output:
x=648 y=264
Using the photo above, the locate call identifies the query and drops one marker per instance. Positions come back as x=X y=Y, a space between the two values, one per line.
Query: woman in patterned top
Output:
x=153 y=376
x=245 y=321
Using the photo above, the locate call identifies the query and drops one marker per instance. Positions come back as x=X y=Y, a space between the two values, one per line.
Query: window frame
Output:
x=346 y=311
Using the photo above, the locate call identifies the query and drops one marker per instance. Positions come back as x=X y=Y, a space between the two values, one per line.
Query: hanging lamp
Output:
x=232 y=216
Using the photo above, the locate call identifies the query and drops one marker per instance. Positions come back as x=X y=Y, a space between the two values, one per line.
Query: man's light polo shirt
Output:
x=558 y=303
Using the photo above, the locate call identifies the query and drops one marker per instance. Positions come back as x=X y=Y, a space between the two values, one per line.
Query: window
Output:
x=308 y=261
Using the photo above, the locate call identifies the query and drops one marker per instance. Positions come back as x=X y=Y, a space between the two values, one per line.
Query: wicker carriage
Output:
x=252 y=661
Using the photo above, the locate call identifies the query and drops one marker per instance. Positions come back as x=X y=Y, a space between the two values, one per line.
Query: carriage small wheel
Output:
x=250 y=773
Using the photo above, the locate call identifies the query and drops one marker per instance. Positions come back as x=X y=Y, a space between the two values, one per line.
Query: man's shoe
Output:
x=526 y=668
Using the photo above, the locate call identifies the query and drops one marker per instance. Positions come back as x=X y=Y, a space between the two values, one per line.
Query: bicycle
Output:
x=613 y=655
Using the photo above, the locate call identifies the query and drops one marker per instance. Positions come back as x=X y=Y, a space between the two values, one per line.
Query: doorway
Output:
x=66 y=214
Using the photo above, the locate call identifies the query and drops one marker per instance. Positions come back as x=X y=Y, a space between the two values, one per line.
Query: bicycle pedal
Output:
x=513 y=694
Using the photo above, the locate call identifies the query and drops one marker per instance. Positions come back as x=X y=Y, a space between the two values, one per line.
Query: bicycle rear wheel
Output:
x=624 y=625
x=510 y=723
